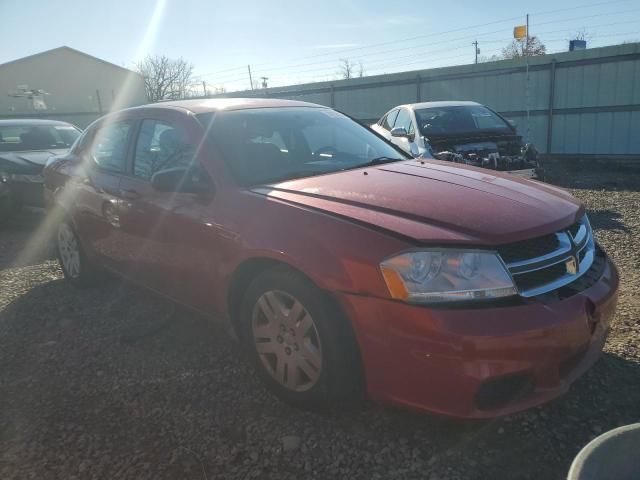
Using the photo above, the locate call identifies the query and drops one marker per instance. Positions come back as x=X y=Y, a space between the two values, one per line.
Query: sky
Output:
x=300 y=41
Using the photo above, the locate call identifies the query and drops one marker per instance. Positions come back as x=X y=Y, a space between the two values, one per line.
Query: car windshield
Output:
x=272 y=144
x=455 y=120
x=22 y=138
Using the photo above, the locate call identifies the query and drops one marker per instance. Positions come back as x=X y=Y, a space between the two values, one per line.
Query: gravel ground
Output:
x=116 y=383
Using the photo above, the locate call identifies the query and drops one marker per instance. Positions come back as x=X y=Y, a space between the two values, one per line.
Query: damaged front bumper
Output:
x=490 y=155
x=23 y=189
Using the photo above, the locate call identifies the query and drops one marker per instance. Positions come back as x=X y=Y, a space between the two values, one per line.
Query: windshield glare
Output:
x=459 y=119
x=272 y=144
x=22 y=138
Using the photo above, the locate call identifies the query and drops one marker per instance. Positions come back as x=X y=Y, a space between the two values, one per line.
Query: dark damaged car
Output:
x=460 y=132
x=25 y=146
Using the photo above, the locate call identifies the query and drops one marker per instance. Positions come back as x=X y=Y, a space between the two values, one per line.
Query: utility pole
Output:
x=527 y=92
x=477 y=50
x=250 y=78
x=204 y=87
x=264 y=81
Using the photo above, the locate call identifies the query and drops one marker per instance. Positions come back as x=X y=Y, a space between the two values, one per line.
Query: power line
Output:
x=589 y=16
x=412 y=48
x=417 y=51
x=393 y=50
x=582 y=7
x=231 y=78
x=595 y=36
x=381 y=44
x=406 y=39
x=415 y=48
x=373 y=65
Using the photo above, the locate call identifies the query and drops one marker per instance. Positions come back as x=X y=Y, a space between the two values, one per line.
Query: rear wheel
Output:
x=300 y=345
x=75 y=266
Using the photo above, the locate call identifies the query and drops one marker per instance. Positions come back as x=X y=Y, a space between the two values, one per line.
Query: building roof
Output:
x=69 y=49
x=204 y=105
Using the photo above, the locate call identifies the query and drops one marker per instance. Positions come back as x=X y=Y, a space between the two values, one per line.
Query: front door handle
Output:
x=129 y=194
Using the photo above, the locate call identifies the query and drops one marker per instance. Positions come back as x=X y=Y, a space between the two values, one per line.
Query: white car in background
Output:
x=460 y=132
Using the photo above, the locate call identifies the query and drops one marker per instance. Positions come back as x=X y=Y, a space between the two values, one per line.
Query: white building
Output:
x=66 y=84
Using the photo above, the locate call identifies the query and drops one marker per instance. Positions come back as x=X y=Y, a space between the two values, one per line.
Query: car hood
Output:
x=27 y=162
x=435 y=202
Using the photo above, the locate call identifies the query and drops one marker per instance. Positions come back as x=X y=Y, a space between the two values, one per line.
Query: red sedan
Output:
x=342 y=265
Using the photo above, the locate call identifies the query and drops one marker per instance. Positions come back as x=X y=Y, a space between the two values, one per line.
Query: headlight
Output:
x=445 y=275
x=4 y=176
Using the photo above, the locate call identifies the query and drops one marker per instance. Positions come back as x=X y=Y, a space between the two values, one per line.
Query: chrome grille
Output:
x=546 y=263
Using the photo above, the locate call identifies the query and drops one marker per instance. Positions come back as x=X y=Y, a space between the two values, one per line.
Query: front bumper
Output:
x=481 y=362
x=27 y=190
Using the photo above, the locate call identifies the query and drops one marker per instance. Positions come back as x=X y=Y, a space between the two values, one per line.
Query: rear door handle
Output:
x=129 y=194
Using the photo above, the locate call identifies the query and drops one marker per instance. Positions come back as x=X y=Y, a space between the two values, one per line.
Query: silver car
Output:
x=460 y=132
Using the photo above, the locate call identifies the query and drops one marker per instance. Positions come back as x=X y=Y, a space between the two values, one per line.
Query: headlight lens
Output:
x=4 y=176
x=432 y=276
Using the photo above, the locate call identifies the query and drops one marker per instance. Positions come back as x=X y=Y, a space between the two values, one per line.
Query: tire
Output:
x=74 y=263
x=318 y=347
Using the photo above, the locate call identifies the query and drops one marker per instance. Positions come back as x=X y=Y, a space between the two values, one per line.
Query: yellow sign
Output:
x=520 y=32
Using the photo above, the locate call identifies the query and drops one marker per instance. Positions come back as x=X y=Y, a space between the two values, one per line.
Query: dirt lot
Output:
x=116 y=383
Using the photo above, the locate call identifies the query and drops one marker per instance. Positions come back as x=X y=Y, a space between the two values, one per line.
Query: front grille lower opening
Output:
x=500 y=392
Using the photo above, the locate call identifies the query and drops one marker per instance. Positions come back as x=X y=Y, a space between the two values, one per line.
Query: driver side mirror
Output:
x=181 y=179
x=399 y=132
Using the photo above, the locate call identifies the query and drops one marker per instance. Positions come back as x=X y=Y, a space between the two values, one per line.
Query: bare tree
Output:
x=582 y=34
x=522 y=48
x=486 y=58
x=166 y=78
x=347 y=68
x=350 y=69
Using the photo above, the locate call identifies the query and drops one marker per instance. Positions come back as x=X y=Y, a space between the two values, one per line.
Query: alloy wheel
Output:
x=69 y=250
x=286 y=340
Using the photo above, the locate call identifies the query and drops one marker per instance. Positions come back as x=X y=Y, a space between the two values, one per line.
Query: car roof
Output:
x=205 y=105
x=442 y=104
x=33 y=122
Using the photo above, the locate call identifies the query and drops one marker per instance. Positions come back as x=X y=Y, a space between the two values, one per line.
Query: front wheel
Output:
x=301 y=346
x=74 y=263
